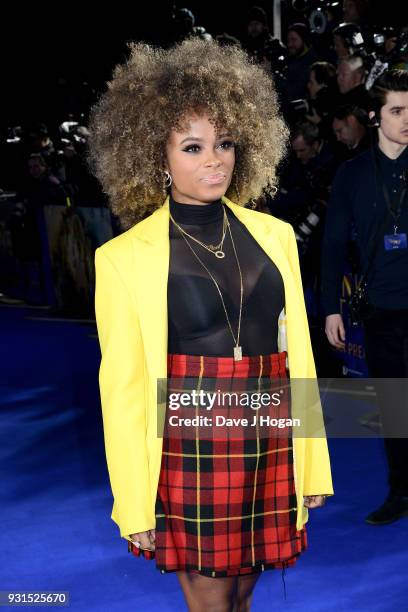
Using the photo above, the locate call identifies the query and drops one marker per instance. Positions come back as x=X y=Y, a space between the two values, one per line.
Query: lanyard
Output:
x=394 y=206
x=395 y=212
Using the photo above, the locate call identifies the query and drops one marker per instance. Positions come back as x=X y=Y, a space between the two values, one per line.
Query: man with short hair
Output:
x=351 y=75
x=301 y=57
x=306 y=142
x=345 y=36
x=310 y=169
x=366 y=191
x=350 y=129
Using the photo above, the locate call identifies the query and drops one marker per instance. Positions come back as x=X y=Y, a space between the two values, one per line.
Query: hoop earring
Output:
x=169 y=180
x=253 y=203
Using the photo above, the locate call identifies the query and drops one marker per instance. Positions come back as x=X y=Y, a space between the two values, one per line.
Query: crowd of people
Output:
x=321 y=79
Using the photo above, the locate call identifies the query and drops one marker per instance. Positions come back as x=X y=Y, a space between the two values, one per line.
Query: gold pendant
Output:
x=237 y=353
x=219 y=254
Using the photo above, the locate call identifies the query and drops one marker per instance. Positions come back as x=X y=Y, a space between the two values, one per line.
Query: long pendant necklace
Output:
x=237 y=347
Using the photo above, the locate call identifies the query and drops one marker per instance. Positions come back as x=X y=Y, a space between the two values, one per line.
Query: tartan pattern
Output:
x=226 y=507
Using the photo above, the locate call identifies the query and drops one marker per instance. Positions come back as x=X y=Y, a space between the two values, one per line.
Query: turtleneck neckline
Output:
x=196 y=214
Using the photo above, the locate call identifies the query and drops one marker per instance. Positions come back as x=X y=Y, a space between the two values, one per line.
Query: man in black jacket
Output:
x=366 y=190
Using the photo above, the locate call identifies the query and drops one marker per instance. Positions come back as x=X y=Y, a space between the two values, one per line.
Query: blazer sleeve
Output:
x=317 y=469
x=122 y=391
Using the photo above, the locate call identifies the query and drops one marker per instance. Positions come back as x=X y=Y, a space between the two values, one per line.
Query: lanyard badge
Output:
x=396 y=240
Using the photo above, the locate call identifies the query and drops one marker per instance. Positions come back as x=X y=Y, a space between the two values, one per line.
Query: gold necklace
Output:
x=214 y=249
x=237 y=348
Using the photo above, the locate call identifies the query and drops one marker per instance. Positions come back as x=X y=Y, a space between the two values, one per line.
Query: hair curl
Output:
x=153 y=92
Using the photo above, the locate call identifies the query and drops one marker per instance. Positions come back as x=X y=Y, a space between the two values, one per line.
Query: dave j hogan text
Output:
x=222 y=421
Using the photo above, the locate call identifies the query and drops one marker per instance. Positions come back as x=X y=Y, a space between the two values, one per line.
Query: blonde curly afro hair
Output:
x=153 y=92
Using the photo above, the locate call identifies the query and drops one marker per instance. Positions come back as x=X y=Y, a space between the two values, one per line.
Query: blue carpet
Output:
x=56 y=531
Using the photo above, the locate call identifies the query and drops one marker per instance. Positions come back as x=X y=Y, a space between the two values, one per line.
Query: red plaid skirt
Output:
x=226 y=507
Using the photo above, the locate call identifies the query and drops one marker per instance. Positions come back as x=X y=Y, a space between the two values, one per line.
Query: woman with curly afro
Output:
x=200 y=289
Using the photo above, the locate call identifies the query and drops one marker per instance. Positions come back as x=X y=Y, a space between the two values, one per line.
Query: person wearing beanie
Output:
x=301 y=57
x=258 y=36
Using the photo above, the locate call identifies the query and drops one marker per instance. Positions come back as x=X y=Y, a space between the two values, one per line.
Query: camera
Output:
x=372 y=49
x=377 y=63
x=308 y=220
x=298 y=110
x=318 y=12
x=300 y=107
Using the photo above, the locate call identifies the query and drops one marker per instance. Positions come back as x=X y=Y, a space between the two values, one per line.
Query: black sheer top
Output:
x=197 y=321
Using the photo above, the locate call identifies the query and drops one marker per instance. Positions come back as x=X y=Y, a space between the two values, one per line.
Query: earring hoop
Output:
x=169 y=180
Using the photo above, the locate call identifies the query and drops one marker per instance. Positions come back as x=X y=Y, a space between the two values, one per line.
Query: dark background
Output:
x=83 y=41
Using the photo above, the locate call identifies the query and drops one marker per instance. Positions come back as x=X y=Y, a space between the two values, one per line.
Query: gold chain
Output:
x=209 y=246
x=237 y=349
x=214 y=249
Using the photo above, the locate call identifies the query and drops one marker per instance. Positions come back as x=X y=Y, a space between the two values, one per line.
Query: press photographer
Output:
x=301 y=57
x=268 y=51
x=322 y=96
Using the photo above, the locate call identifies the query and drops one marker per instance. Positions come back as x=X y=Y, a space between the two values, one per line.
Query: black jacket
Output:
x=355 y=202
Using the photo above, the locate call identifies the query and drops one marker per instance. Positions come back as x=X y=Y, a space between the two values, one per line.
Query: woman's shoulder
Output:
x=135 y=236
x=264 y=220
x=278 y=229
x=273 y=222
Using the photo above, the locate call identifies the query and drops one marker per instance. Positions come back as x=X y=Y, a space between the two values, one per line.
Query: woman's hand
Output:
x=314 y=501
x=145 y=538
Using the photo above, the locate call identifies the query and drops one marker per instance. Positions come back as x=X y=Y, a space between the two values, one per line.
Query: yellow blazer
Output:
x=131 y=315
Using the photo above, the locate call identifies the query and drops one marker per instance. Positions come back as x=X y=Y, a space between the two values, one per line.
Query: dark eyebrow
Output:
x=200 y=139
x=397 y=108
x=191 y=138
